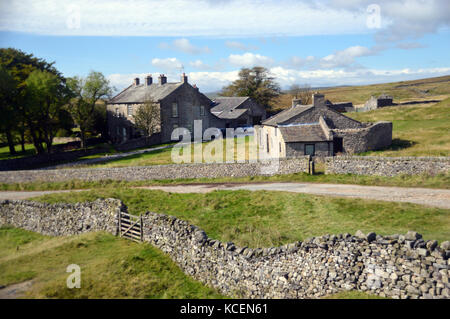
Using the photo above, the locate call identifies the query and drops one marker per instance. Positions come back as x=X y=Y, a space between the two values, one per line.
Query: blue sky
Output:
x=321 y=43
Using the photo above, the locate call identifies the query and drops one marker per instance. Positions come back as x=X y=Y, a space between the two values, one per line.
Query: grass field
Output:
x=262 y=219
x=421 y=89
x=418 y=130
x=111 y=267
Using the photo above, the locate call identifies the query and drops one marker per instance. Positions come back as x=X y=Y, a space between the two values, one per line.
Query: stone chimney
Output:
x=162 y=79
x=296 y=102
x=318 y=100
x=148 y=80
x=136 y=81
x=184 y=78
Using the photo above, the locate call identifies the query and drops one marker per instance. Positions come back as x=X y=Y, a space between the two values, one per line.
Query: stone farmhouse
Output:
x=180 y=104
x=319 y=130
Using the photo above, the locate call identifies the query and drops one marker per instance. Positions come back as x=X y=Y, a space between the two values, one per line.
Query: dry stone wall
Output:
x=159 y=172
x=386 y=166
x=397 y=266
x=61 y=219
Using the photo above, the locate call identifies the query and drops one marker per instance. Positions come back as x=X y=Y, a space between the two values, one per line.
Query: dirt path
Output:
x=423 y=196
x=16 y=290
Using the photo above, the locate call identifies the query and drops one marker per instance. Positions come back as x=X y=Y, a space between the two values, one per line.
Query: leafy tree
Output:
x=255 y=83
x=20 y=65
x=7 y=94
x=86 y=92
x=45 y=97
x=148 y=118
x=302 y=92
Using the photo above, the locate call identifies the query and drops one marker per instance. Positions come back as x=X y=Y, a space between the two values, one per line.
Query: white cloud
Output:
x=410 y=45
x=249 y=59
x=179 y=18
x=167 y=64
x=346 y=57
x=240 y=46
x=185 y=46
x=214 y=81
x=199 y=64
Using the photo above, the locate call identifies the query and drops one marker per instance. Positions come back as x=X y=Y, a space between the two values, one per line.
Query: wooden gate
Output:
x=130 y=226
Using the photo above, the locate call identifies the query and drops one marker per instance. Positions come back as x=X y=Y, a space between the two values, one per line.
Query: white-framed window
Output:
x=129 y=110
x=174 y=109
x=117 y=112
x=202 y=110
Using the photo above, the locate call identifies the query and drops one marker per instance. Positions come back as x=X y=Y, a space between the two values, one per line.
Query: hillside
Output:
x=403 y=90
x=418 y=130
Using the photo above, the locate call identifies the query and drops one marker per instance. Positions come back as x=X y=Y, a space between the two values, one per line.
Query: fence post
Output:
x=120 y=224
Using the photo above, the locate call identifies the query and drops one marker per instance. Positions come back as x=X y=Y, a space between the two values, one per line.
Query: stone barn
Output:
x=319 y=130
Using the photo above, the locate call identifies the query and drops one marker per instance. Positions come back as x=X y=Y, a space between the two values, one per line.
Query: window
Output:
x=309 y=149
x=275 y=131
x=117 y=112
x=174 y=109
x=175 y=126
x=130 y=110
x=267 y=141
x=202 y=110
x=280 y=147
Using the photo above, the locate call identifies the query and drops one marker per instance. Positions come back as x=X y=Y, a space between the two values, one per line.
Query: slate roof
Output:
x=311 y=132
x=139 y=93
x=286 y=115
x=227 y=107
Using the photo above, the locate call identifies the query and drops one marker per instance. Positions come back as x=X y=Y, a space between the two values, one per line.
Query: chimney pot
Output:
x=184 y=78
x=148 y=80
x=136 y=81
x=162 y=79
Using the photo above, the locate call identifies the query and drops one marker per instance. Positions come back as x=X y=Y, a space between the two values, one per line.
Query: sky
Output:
x=318 y=43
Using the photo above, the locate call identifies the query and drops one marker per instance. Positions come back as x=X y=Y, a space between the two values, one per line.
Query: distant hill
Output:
x=416 y=89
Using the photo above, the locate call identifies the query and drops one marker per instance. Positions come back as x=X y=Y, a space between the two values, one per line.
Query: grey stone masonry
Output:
x=160 y=172
x=396 y=266
x=386 y=166
x=61 y=219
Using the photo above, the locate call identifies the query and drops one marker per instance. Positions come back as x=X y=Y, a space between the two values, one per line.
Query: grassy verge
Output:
x=262 y=219
x=418 y=130
x=427 y=181
x=110 y=267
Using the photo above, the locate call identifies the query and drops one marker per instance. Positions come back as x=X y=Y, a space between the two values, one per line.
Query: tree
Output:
x=20 y=65
x=255 y=83
x=85 y=94
x=302 y=92
x=7 y=94
x=45 y=96
x=148 y=118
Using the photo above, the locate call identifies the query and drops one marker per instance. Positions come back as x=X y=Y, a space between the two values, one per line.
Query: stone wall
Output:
x=373 y=137
x=159 y=172
x=397 y=266
x=61 y=219
x=387 y=166
x=144 y=141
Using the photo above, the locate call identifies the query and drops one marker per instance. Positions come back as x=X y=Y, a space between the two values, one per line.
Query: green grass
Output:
x=111 y=267
x=418 y=130
x=29 y=151
x=426 y=181
x=164 y=156
x=352 y=294
x=262 y=219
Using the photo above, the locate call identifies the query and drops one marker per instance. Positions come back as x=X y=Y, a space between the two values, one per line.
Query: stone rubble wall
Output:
x=386 y=166
x=160 y=172
x=397 y=266
x=61 y=219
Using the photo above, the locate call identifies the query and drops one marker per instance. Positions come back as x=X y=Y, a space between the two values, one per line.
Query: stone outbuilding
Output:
x=319 y=130
x=377 y=102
